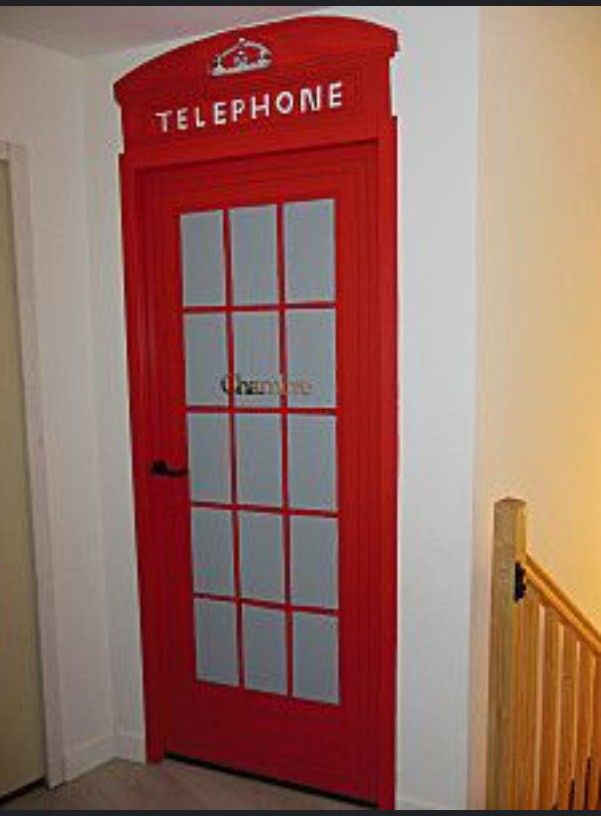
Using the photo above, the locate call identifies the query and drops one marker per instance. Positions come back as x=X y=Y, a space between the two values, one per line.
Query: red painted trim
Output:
x=260 y=307
x=283 y=354
x=266 y=508
x=231 y=356
x=299 y=42
x=311 y=610
x=389 y=446
x=358 y=52
x=260 y=409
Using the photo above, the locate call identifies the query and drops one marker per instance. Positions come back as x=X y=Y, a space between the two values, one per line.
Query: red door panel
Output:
x=268 y=550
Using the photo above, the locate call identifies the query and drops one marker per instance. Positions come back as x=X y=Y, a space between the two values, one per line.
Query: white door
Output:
x=21 y=744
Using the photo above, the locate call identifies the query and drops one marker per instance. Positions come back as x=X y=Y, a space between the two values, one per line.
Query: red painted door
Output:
x=264 y=366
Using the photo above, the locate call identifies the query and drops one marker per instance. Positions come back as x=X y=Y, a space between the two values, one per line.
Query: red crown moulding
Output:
x=327 y=69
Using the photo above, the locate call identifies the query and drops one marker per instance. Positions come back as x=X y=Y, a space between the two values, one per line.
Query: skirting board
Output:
x=85 y=757
x=89 y=755
x=130 y=746
x=417 y=804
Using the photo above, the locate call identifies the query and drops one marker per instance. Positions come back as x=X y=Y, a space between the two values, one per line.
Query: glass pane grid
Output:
x=265 y=636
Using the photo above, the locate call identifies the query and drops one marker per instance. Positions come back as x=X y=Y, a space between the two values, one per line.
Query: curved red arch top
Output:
x=305 y=72
x=294 y=43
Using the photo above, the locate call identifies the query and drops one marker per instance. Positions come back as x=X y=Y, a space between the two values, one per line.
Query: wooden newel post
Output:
x=509 y=549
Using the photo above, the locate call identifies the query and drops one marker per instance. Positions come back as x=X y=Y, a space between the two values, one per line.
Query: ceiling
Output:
x=84 y=31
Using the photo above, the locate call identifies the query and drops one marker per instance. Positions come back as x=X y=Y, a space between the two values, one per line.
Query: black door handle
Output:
x=160 y=468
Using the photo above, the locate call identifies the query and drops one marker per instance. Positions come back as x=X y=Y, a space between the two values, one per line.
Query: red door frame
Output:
x=307 y=52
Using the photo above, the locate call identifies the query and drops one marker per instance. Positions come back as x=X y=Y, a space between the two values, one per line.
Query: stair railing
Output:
x=544 y=724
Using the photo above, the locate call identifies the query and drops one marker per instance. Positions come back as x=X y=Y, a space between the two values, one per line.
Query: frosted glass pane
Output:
x=312 y=461
x=312 y=357
x=261 y=556
x=216 y=652
x=203 y=258
x=254 y=254
x=315 y=674
x=264 y=649
x=314 y=555
x=256 y=344
x=206 y=359
x=212 y=555
x=309 y=250
x=209 y=457
x=259 y=459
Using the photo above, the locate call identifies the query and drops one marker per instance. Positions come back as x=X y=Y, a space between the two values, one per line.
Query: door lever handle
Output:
x=160 y=468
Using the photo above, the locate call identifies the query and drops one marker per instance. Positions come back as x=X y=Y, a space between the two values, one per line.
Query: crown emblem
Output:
x=245 y=55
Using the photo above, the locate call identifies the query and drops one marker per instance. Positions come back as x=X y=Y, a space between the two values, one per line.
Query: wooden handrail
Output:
x=544 y=726
x=567 y=610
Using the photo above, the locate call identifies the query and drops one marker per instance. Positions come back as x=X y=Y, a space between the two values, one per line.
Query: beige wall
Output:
x=539 y=362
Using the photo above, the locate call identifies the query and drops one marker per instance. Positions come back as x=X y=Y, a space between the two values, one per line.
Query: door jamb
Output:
x=42 y=544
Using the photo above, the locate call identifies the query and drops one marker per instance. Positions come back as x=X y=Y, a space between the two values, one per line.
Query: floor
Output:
x=170 y=785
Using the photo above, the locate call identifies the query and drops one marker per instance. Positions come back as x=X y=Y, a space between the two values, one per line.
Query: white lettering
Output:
x=255 y=109
x=163 y=117
x=310 y=99
x=181 y=118
x=237 y=108
x=219 y=113
x=284 y=102
x=335 y=95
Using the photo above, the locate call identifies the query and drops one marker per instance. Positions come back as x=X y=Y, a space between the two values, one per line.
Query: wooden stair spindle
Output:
x=544 y=729
x=550 y=712
x=509 y=549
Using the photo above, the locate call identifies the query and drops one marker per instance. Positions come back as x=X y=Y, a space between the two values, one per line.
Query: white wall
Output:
x=78 y=247
x=435 y=94
x=103 y=146
x=436 y=97
x=41 y=108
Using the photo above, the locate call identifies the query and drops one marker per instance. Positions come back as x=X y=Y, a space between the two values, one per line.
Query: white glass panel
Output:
x=209 y=457
x=256 y=343
x=212 y=551
x=259 y=459
x=312 y=357
x=309 y=250
x=315 y=672
x=206 y=359
x=312 y=461
x=314 y=551
x=254 y=254
x=261 y=556
x=264 y=649
x=203 y=258
x=216 y=652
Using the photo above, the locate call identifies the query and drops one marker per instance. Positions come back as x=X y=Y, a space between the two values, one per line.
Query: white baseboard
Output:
x=130 y=746
x=418 y=804
x=88 y=755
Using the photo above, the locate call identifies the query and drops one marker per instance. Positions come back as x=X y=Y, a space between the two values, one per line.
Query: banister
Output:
x=544 y=720
x=567 y=610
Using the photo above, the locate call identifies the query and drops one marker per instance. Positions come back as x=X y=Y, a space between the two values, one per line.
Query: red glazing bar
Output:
x=260 y=602
x=265 y=508
x=281 y=270
x=229 y=294
x=248 y=409
x=261 y=307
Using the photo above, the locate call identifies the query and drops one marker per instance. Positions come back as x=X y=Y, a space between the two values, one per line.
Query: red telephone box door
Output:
x=257 y=329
